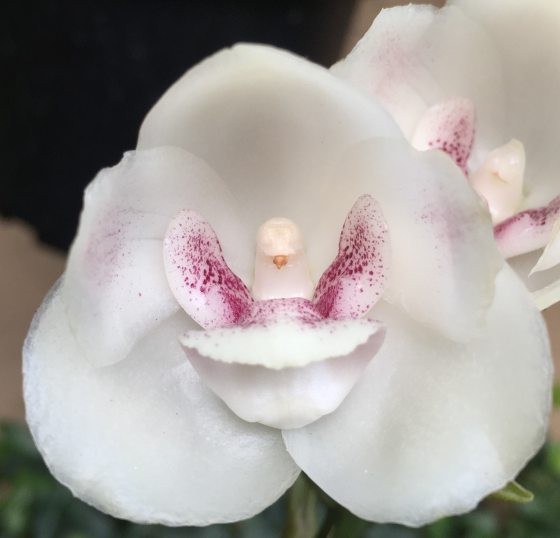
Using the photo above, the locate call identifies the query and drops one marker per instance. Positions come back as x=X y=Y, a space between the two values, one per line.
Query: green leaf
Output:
x=302 y=510
x=514 y=493
x=556 y=395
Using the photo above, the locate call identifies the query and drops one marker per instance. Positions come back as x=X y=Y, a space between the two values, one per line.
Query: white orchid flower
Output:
x=479 y=80
x=182 y=372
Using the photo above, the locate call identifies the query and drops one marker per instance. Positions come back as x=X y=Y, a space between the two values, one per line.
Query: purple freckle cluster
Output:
x=359 y=264
x=215 y=297
x=540 y=217
x=455 y=138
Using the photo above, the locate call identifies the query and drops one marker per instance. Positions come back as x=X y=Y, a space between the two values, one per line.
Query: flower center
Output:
x=449 y=126
x=500 y=180
x=281 y=269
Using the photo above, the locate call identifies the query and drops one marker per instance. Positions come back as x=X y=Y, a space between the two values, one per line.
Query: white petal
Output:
x=528 y=38
x=284 y=374
x=144 y=439
x=551 y=254
x=414 y=57
x=433 y=427
x=443 y=256
x=545 y=285
x=115 y=288
x=272 y=125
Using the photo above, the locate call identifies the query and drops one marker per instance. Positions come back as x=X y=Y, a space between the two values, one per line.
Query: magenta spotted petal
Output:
x=449 y=127
x=198 y=275
x=528 y=230
x=356 y=279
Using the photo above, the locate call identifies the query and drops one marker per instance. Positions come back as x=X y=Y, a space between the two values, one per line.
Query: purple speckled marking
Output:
x=356 y=278
x=214 y=296
x=270 y=311
x=107 y=251
x=449 y=127
x=199 y=276
x=528 y=230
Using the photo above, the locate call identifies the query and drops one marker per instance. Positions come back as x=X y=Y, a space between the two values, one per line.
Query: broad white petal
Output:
x=443 y=256
x=115 y=289
x=145 y=439
x=527 y=36
x=272 y=125
x=433 y=426
x=415 y=57
x=284 y=373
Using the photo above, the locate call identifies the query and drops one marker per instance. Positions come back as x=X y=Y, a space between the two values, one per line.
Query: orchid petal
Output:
x=528 y=230
x=449 y=127
x=433 y=427
x=145 y=439
x=356 y=279
x=443 y=256
x=115 y=289
x=287 y=372
x=527 y=38
x=545 y=284
x=551 y=254
x=417 y=57
x=272 y=125
x=199 y=277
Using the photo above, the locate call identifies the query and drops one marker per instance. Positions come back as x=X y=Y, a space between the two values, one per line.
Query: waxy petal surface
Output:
x=285 y=373
x=443 y=256
x=198 y=275
x=356 y=278
x=414 y=58
x=433 y=427
x=115 y=290
x=526 y=36
x=273 y=126
x=145 y=439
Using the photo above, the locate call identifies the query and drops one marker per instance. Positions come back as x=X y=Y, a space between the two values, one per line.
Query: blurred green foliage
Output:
x=34 y=505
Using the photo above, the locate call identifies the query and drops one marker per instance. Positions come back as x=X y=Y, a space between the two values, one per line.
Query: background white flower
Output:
x=448 y=411
x=480 y=79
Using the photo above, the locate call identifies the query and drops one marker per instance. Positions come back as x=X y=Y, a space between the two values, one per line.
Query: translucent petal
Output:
x=115 y=288
x=145 y=439
x=356 y=279
x=434 y=426
x=284 y=373
x=198 y=275
x=528 y=230
x=272 y=125
x=443 y=257
x=551 y=254
x=415 y=57
x=545 y=284
x=527 y=38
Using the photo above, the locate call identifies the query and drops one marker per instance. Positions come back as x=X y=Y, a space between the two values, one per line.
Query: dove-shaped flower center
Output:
x=258 y=351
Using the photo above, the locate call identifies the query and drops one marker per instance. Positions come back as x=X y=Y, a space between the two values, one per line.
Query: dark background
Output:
x=78 y=76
